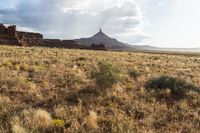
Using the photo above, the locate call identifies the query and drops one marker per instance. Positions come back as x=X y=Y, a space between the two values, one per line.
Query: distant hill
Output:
x=102 y=38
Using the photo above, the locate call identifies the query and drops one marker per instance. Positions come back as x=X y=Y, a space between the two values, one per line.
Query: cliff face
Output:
x=30 y=39
x=10 y=36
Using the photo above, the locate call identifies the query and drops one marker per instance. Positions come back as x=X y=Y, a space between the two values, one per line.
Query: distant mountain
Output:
x=102 y=38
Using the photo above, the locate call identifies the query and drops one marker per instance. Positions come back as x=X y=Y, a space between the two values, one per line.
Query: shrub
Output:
x=24 y=67
x=134 y=74
x=4 y=100
x=177 y=87
x=4 y=103
x=37 y=69
x=81 y=59
x=107 y=75
x=77 y=79
x=7 y=63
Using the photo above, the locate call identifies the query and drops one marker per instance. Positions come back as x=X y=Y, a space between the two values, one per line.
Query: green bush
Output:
x=177 y=86
x=107 y=75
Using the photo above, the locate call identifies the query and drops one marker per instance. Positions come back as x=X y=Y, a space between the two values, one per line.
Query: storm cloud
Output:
x=74 y=19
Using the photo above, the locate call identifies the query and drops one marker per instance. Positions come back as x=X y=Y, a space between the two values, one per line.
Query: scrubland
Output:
x=45 y=90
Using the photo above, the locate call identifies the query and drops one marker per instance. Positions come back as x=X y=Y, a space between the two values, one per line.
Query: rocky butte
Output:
x=10 y=36
x=101 y=38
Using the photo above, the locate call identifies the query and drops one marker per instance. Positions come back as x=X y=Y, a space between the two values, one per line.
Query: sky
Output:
x=161 y=23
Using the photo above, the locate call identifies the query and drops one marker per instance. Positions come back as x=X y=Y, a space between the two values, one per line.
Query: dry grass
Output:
x=58 y=90
x=42 y=118
x=18 y=129
x=92 y=119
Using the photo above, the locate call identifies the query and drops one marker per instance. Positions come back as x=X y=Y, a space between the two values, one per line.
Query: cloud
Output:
x=73 y=19
x=161 y=3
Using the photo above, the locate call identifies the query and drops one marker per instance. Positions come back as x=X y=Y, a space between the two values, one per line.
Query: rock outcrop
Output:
x=71 y=44
x=56 y=43
x=52 y=43
x=30 y=39
x=9 y=35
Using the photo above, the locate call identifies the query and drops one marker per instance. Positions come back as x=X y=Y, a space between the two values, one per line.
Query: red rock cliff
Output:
x=9 y=35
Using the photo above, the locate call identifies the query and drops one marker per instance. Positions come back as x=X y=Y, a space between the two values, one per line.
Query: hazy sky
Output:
x=163 y=23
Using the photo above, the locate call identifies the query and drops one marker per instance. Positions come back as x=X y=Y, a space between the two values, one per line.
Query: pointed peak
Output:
x=100 y=30
x=101 y=34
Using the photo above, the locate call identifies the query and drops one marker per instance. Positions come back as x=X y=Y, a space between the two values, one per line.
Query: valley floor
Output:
x=60 y=90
